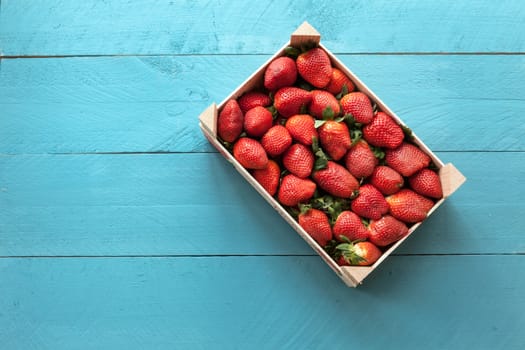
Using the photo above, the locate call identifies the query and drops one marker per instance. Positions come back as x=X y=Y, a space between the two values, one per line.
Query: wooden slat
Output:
x=197 y=204
x=138 y=104
x=461 y=302
x=56 y=27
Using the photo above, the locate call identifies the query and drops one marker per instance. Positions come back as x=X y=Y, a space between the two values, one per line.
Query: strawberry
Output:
x=315 y=67
x=386 y=230
x=250 y=153
x=406 y=159
x=268 y=177
x=230 y=121
x=383 y=131
x=360 y=253
x=408 y=206
x=369 y=203
x=426 y=182
x=257 y=121
x=349 y=225
x=302 y=128
x=276 y=140
x=321 y=100
x=359 y=106
x=280 y=72
x=337 y=81
x=294 y=190
x=335 y=138
x=290 y=100
x=252 y=99
x=336 y=180
x=299 y=160
x=386 y=180
x=360 y=160
x=315 y=222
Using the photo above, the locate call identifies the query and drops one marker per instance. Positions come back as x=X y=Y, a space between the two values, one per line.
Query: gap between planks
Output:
x=387 y=53
x=211 y=152
x=172 y=256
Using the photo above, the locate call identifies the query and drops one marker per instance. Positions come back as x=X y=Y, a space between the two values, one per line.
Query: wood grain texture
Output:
x=151 y=104
x=197 y=204
x=121 y=228
x=462 y=302
x=58 y=27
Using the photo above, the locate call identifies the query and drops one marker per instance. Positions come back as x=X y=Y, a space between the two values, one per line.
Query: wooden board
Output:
x=57 y=27
x=434 y=302
x=144 y=205
x=149 y=104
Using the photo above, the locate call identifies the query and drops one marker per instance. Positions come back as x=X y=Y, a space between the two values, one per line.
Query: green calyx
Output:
x=292 y=52
x=378 y=152
x=347 y=251
x=328 y=113
x=344 y=91
x=321 y=159
x=274 y=112
x=332 y=206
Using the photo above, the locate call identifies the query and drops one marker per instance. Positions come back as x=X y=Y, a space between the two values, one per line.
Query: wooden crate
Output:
x=451 y=178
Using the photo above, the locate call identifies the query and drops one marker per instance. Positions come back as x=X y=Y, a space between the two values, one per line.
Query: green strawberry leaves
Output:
x=347 y=251
x=321 y=159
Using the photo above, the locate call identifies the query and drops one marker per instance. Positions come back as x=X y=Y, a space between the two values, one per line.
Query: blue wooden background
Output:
x=121 y=228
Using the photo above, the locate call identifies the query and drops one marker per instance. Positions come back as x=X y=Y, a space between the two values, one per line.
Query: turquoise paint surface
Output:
x=122 y=228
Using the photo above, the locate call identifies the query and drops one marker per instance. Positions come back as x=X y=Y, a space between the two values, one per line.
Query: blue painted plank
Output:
x=197 y=204
x=438 y=302
x=56 y=27
x=138 y=104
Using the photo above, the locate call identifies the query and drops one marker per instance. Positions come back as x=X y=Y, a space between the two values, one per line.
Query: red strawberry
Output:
x=349 y=225
x=230 y=121
x=294 y=190
x=253 y=99
x=386 y=230
x=299 y=160
x=360 y=253
x=302 y=128
x=406 y=159
x=408 y=206
x=383 y=131
x=369 y=203
x=335 y=138
x=257 y=121
x=321 y=100
x=290 y=100
x=426 y=182
x=336 y=180
x=315 y=67
x=359 y=106
x=280 y=72
x=250 y=153
x=360 y=160
x=276 y=140
x=316 y=224
x=386 y=180
x=337 y=81
x=268 y=177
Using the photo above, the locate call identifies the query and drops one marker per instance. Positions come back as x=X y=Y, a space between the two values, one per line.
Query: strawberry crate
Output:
x=353 y=275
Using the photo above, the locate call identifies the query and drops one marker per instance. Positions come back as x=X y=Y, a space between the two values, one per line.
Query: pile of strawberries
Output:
x=348 y=172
